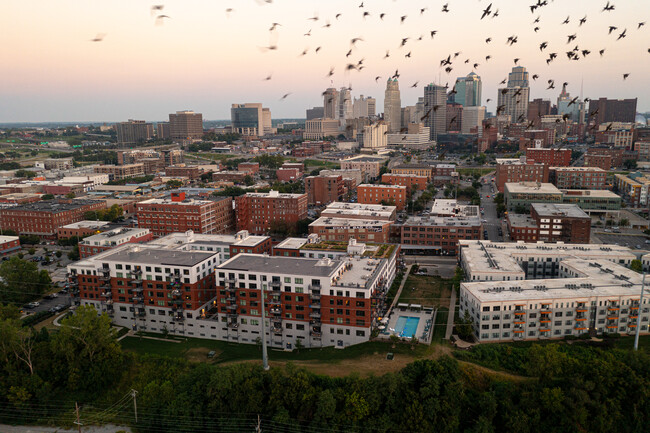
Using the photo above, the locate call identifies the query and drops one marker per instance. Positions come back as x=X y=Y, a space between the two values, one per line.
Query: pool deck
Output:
x=423 y=315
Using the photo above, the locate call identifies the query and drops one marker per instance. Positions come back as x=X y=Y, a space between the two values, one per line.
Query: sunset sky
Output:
x=205 y=59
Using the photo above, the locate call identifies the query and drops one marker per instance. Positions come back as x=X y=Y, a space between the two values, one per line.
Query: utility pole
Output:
x=135 y=404
x=77 y=412
x=258 y=427
x=265 y=355
x=638 y=321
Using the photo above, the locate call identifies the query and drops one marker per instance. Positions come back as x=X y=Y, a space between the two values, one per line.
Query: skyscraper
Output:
x=330 y=103
x=134 y=132
x=392 y=106
x=565 y=106
x=186 y=125
x=612 y=110
x=514 y=98
x=468 y=90
x=250 y=119
x=435 y=110
x=344 y=105
x=364 y=107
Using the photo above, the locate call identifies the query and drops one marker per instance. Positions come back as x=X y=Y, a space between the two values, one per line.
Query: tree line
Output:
x=555 y=387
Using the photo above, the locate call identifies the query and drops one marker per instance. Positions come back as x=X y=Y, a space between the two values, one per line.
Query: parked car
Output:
x=33 y=304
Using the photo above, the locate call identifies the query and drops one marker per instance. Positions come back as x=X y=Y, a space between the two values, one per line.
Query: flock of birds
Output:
x=448 y=63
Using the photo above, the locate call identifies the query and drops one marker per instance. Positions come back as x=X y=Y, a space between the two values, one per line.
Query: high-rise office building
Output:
x=330 y=103
x=250 y=119
x=468 y=90
x=315 y=113
x=435 y=105
x=392 y=105
x=472 y=118
x=186 y=125
x=518 y=77
x=538 y=108
x=364 y=107
x=612 y=110
x=344 y=105
x=514 y=98
x=565 y=106
x=134 y=132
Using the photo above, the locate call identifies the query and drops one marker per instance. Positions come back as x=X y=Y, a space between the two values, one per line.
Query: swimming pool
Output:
x=406 y=326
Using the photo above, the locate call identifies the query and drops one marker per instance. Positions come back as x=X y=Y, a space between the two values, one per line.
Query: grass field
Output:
x=472 y=171
x=440 y=326
x=426 y=290
x=318 y=163
x=212 y=156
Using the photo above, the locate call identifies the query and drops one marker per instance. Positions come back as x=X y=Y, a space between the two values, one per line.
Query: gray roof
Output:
x=159 y=256
x=55 y=206
x=552 y=209
x=281 y=265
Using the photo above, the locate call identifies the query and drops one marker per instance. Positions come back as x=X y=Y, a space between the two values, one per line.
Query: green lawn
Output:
x=196 y=349
x=472 y=171
x=319 y=163
x=426 y=290
x=440 y=327
x=212 y=156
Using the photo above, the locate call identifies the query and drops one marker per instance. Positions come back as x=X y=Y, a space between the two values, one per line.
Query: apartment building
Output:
x=119 y=172
x=414 y=169
x=443 y=174
x=9 y=244
x=549 y=156
x=177 y=214
x=81 y=229
x=323 y=190
x=633 y=188
x=256 y=212
x=511 y=171
x=252 y=167
x=519 y=196
x=319 y=302
x=192 y=172
x=578 y=177
x=360 y=211
x=550 y=222
x=516 y=291
x=410 y=181
x=44 y=218
x=368 y=165
x=344 y=229
x=111 y=239
x=382 y=194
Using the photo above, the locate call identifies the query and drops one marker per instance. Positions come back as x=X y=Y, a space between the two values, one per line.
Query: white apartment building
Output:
x=517 y=291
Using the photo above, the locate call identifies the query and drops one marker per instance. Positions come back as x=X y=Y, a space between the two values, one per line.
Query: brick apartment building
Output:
x=230 y=176
x=119 y=172
x=256 y=212
x=551 y=223
x=514 y=172
x=551 y=157
x=9 y=244
x=165 y=216
x=111 y=239
x=224 y=215
x=414 y=169
x=604 y=157
x=323 y=190
x=245 y=243
x=191 y=172
x=578 y=177
x=81 y=229
x=438 y=235
x=43 y=218
x=288 y=174
x=252 y=167
x=443 y=174
x=411 y=182
x=382 y=194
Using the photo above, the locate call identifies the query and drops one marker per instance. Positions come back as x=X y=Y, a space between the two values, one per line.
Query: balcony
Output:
x=314 y=296
x=136 y=282
x=275 y=286
x=580 y=328
x=582 y=310
x=231 y=280
x=176 y=292
x=105 y=278
x=274 y=301
x=613 y=308
x=138 y=299
x=276 y=330
x=231 y=307
x=612 y=317
x=233 y=324
x=107 y=294
x=314 y=306
x=611 y=326
x=231 y=299
x=140 y=313
x=137 y=271
x=231 y=288
x=316 y=334
x=315 y=315
x=275 y=310
x=178 y=317
x=520 y=312
x=232 y=314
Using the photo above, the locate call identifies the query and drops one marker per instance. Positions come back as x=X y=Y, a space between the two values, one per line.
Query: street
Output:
x=493 y=222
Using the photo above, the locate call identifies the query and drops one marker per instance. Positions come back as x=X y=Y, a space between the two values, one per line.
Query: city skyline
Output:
x=144 y=71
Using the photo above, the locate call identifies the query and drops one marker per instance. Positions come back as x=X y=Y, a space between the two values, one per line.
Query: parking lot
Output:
x=624 y=239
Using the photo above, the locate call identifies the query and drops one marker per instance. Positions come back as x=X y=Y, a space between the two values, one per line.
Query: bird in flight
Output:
x=445 y=7
x=487 y=11
x=160 y=19
x=156 y=8
x=608 y=7
x=100 y=37
x=622 y=35
x=625 y=76
x=285 y=96
x=268 y=78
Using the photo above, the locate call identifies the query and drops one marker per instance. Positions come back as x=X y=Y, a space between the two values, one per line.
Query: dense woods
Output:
x=552 y=387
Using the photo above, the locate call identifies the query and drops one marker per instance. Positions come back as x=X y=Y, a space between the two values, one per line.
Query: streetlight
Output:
x=638 y=321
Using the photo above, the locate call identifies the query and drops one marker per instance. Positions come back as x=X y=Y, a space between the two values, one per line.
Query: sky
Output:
x=205 y=59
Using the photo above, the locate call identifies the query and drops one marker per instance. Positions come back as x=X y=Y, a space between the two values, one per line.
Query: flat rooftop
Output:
x=370 y=185
x=578 y=169
x=186 y=202
x=348 y=223
x=366 y=158
x=591 y=278
x=451 y=207
x=441 y=221
x=114 y=236
x=371 y=211
x=5 y=239
x=531 y=188
x=594 y=193
x=412 y=166
x=525 y=221
x=55 y=206
x=292 y=243
x=180 y=240
x=158 y=256
x=273 y=194
x=553 y=209
x=282 y=265
x=86 y=225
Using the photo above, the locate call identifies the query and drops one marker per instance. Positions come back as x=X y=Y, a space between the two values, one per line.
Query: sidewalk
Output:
x=450 y=316
x=399 y=291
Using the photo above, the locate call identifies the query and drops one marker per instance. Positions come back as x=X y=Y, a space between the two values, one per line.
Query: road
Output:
x=492 y=223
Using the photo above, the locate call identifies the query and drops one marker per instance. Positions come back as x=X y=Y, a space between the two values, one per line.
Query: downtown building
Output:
x=515 y=170
x=251 y=119
x=578 y=177
x=186 y=126
x=110 y=239
x=435 y=101
x=392 y=106
x=551 y=223
x=257 y=212
x=323 y=190
x=518 y=291
x=550 y=156
x=514 y=98
x=392 y=195
x=178 y=214
x=134 y=132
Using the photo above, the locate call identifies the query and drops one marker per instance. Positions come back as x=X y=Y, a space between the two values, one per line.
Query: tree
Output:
x=31 y=251
x=22 y=281
x=86 y=342
x=58 y=254
x=174 y=183
x=248 y=180
x=637 y=266
x=464 y=326
x=47 y=197
x=25 y=173
x=70 y=195
x=624 y=222
x=630 y=164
